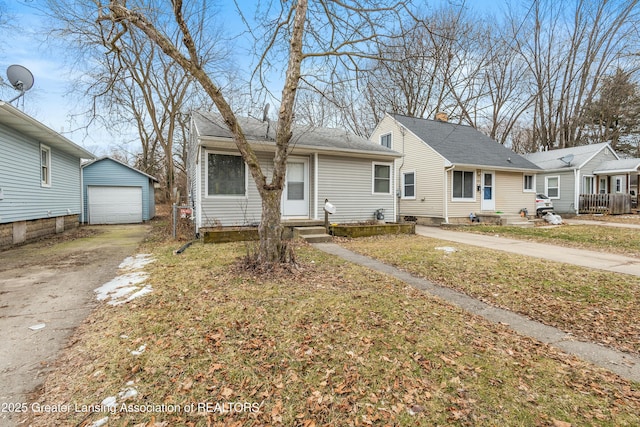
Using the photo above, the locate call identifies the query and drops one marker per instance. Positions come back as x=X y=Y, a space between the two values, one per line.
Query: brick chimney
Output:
x=442 y=117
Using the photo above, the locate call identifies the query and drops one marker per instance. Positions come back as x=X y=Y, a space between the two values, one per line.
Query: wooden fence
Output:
x=605 y=204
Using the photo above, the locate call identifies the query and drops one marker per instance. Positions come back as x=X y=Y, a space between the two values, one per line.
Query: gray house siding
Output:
x=109 y=173
x=565 y=203
x=23 y=196
x=355 y=202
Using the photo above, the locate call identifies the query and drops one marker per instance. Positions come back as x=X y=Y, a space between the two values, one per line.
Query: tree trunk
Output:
x=270 y=229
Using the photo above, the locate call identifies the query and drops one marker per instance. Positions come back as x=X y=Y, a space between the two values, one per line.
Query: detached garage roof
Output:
x=118 y=161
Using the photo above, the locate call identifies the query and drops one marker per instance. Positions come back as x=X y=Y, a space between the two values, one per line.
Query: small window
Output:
x=45 y=166
x=529 y=183
x=226 y=175
x=381 y=178
x=618 y=185
x=552 y=187
x=385 y=140
x=408 y=185
x=463 y=182
x=603 y=186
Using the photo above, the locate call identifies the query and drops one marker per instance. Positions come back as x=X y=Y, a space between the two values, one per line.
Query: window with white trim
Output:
x=385 y=140
x=589 y=184
x=618 y=184
x=552 y=187
x=603 y=186
x=463 y=183
x=381 y=178
x=226 y=175
x=409 y=185
x=529 y=183
x=45 y=166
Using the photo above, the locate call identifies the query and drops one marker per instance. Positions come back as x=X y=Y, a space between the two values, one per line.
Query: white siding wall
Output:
x=510 y=194
x=348 y=184
x=23 y=196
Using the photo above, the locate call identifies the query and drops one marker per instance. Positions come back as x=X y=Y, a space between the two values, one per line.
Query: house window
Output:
x=529 y=183
x=385 y=140
x=408 y=185
x=45 y=166
x=589 y=185
x=382 y=178
x=463 y=185
x=618 y=184
x=226 y=175
x=552 y=187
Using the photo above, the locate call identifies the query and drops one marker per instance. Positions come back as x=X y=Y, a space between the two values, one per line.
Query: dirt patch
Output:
x=51 y=283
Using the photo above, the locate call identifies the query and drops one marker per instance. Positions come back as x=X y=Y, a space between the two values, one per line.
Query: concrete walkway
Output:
x=623 y=364
x=585 y=258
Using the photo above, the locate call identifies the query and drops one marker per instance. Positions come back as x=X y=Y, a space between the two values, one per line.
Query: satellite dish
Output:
x=567 y=159
x=20 y=78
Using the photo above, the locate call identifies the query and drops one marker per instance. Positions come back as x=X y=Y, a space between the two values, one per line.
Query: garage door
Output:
x=114 y=205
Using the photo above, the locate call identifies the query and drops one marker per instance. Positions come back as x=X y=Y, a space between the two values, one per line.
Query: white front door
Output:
x=295 y=194
x=488 y=192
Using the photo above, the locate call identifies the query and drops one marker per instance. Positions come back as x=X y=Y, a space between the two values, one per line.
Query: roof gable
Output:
x=618 y=166
x=463 y=145
x=209 y=125
x=551 y=160
x=107 y=158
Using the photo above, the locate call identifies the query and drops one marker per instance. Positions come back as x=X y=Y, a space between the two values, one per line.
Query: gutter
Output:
x=444 y=192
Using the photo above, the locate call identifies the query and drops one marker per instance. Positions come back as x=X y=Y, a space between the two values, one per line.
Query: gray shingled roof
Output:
x=618 y=166
x=550 y=160
x=464 y=145
x=322 y=139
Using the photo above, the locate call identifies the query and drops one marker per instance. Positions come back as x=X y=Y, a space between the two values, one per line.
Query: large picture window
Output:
x=226 y=175
x=463 y=185
x=381 y=178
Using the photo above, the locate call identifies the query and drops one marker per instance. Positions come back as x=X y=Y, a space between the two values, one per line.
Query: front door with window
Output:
x=295 y=195
x=488 y=192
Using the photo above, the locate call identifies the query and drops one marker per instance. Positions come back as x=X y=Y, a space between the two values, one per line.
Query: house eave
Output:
x=492 y=167
x=269 y=146
x=27 y=125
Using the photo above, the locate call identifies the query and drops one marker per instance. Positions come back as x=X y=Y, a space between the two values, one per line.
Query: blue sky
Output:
x=49 y=100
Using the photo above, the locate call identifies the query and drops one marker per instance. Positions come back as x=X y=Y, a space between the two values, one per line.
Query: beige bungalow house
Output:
x=450 y=171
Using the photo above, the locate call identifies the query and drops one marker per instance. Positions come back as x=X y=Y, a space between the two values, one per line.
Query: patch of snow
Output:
x=447 y=249
x=136 y=262
x=37 y=327
x=128 y=393
x=139 y=351
x=127 y=286
x=101 y=422
x=145 y=290
x=109 y=402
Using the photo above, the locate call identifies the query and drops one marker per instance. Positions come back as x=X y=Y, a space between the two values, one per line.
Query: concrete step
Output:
x=302 y=231
x=316 y=238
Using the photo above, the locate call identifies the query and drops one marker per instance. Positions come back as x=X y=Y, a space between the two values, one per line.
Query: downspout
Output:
x=396 y=205
x=444 y=191
x=576 y=195
x=81 y=193
x=315 y=186
x=198 y=188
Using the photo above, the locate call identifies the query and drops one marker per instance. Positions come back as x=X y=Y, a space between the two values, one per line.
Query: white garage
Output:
x=114 y=205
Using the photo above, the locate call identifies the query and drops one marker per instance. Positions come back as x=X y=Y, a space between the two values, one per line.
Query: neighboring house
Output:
x=324 y=164
x=40 y=190
x=116 y=193
x=450 y=171
x=586 y=169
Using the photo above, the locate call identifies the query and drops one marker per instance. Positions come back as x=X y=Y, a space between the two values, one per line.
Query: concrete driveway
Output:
x=46 y=291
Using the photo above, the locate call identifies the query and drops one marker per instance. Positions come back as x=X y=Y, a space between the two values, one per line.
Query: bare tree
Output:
x=318 y=33
x=569 y=51
x=131 y=84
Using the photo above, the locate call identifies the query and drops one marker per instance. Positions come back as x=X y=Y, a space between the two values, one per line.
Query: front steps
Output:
x=312 y=234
